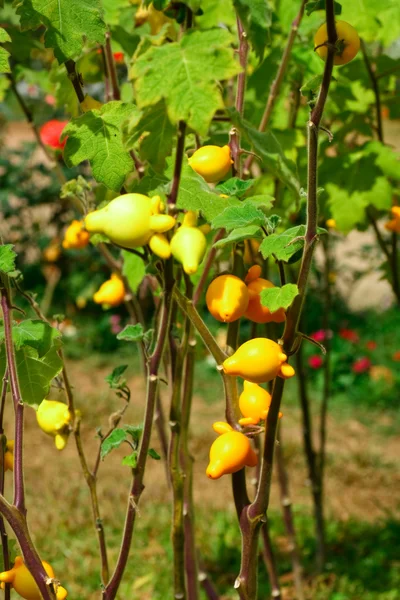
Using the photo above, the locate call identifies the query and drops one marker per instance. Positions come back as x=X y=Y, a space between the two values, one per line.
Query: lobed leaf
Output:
x=242 y=215
x=131 y=333
x=239 y=235
x=279 y=297
x=256 y=18
x=7 y=258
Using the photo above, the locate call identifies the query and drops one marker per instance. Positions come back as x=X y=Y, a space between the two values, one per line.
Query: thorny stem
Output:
x=269 y=559
x=16 y=515
x=180 y=149
x=3 y=532
x=253 y=516
x=153 y=364
x=234 y=142
x=276 y=85
x=74 y=78
x=112 y=71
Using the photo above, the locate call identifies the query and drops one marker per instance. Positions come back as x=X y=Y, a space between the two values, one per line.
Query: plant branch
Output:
x=375 y=86
x=234 y=142
x=180 y=150
x=74 y=78
x=109 y=593
x=276 y=85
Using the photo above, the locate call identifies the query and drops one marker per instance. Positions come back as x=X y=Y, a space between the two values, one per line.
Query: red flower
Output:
x=119 y=57
x=396 y=356
x=319 y=336
x=315 y=361
x=361 y=365
x=371 y=345
x=349 y=335
x=50 y=134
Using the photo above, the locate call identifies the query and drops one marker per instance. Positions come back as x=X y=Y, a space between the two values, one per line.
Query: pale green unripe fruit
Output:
x=188 y=246
x=128 y=221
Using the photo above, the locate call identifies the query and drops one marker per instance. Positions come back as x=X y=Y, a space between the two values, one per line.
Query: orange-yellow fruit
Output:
x=258 y=360
x=251 y=248
x=23 y=583
x=256 y=311
x=9 y=456
x=211 y=162
x=254 y=403
x=347 y=45
x=229 y=453
x=75 y=236
x=111 y=292
x=227 y=298
x=394 y=224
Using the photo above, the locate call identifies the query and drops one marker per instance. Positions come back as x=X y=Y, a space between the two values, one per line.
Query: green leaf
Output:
x=4 y=64
x=68 y=23
x=153 y=454
x=262 y=201
x=115 y=380
x=239 y=235
x=114 y=440
x=186 y=73
x=35 y=373
x=131 y=333
x=96 y=136
x=243 y=215
x=130 y=460
x=280 y=244
x=194 y=194
x=256 y=17
x=135 y=431
x=36 y=334
x=7 y=258
x=235 y=186
x=314 y=5
x=152 y=133
x=279 y=297
x=267 y=147
x=134 y=269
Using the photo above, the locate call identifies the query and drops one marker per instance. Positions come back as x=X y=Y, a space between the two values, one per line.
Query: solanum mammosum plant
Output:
x=206 y=157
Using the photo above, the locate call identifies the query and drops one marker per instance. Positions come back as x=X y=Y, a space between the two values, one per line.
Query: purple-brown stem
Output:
x=180 y=150
x=3 y=532
x=276 y=85
x=207 y=267
x=255 y=514
x=234 y=141
x=110 y=592
x=112 y=71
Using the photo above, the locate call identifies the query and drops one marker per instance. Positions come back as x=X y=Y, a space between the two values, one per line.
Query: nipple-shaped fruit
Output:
x=128 y=221
x=230 y=452
x=189 y=244
x=254 y=403
x=258 y=360
x=111 y=292
x=227 y=298
x=53 y=418
x=256 y=311
x=211 y=162
x=75 y=236
x=23 y=583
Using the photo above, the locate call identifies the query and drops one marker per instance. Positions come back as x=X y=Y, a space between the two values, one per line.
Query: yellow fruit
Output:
x=24 y=584
x=9 y=456
x=258 y=360
x=111 y=292
x=211 y=162
x=52 y=252
x=155 y=18
x=227 y=298
x=394 y=224
x=254 y=403
x=189 y=244
x=129 y=220
x=53 y=418
x=230 y=452
x=75 y=236
x=331 y=224
x=347 y=45
x=256 y=311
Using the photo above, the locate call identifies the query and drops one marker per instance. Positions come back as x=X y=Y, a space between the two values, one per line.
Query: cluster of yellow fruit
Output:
x=228 y=298
x=23 y=583
x=258 y=361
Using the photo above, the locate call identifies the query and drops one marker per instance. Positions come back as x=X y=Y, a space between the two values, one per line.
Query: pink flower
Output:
x=315 y=361
x=361 y=365
x=349 y=335
x=50 y=99
x=115 y=321
x=319 y=336
x=371 y=345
